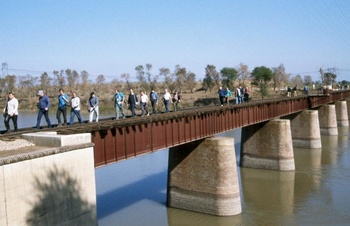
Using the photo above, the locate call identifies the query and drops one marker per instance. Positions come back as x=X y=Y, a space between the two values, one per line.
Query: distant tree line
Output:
x=180 y=79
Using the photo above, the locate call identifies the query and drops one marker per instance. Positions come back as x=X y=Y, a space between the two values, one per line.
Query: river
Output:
x=133 y=192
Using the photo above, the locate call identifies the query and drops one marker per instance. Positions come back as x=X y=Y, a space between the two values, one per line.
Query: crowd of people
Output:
x=10 y=112
x=241 y=95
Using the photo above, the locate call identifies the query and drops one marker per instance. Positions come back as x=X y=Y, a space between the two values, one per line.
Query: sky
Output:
x=112 y=37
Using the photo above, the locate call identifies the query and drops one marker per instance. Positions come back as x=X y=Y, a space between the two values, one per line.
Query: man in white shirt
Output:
x=167 y=99
x=11 y=112
x=75 y=108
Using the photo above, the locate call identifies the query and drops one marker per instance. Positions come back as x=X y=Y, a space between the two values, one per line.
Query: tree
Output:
x=45 y=81
x=152 y=80
x=180 y=75
x=280 y=76
x=84 y=80
x=329 y=76
x=243 y=73
x=140 y=75
x=261 y=77
x=26 y=84
x=9 y=82
x=190 y=81
x=297 y=81
x=100 y=79
x=168 y=78
x=210 y=70
x=308 y=80
x=229 y=75
x=208 y=82
x=60 y=80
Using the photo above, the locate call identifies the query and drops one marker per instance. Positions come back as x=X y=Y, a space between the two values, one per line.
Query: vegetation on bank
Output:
x=262 y=81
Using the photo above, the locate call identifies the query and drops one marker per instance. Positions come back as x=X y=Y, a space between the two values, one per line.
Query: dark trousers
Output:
x=222 y=100
x=42 y=112
x=7 y=121
x=132 y=109
x=153 y=103
x=63 y=111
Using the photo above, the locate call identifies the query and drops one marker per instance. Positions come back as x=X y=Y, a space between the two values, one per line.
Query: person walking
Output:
x=228 y=95
x=132 y=101
x=166 y=99
x=43 y=106
x=119 y=103
x=154 y=100
x=222 y=94
x=63 y=100
x=176 y=99
x=93 y=107
x=11 y=112
x=75 y=108
x=246 y=94
x=238 y=95
x=144 y=103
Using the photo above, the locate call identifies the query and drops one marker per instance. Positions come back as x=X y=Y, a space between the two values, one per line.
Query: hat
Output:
x=40 y=92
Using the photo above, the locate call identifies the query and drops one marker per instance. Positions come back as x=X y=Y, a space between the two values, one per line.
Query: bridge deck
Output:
x=117 y=140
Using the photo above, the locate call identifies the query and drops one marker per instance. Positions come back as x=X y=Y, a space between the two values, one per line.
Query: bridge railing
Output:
x=122 y=139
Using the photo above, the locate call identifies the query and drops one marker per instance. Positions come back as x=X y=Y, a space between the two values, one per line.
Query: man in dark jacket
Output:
x=132 y=101
x=43 y=105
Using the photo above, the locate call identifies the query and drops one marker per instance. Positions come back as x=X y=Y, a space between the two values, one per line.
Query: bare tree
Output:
x=210 y=70
x=243 y=73
x=280 y=77
x=45 y=82
x=60 y=80
x=190 y=81
x=180 y=75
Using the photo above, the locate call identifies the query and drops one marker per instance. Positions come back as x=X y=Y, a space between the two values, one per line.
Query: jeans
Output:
x=72 y=114
x=42 y=112
x=119 y=108
x=63 y=111
x=166 y=103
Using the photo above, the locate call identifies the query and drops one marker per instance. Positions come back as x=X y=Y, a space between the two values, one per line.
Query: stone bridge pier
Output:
x=202 y=177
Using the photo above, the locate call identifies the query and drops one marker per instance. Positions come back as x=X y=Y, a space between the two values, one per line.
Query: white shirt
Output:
x=12 y=106
x=75 y=103
x=144 y=98
x=166 y=96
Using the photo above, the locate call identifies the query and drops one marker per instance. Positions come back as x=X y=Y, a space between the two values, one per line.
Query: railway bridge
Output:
x=202 y=174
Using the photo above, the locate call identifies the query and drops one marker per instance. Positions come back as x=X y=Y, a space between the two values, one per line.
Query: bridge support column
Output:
x=305 y=129
x=328 y=120
x=341 y=113
x=202 y=177
x=268 y=145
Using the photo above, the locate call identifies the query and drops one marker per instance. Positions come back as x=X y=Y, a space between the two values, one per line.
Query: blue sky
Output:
x=113 y=37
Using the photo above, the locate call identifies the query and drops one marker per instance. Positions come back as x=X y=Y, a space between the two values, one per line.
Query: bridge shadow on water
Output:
x=151 y=188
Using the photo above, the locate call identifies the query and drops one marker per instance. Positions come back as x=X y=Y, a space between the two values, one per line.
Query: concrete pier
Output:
x=342 y=113
x=41 y=185
x=268 y=145
x=328 y=120
x=305 y=129
x=202 y=177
